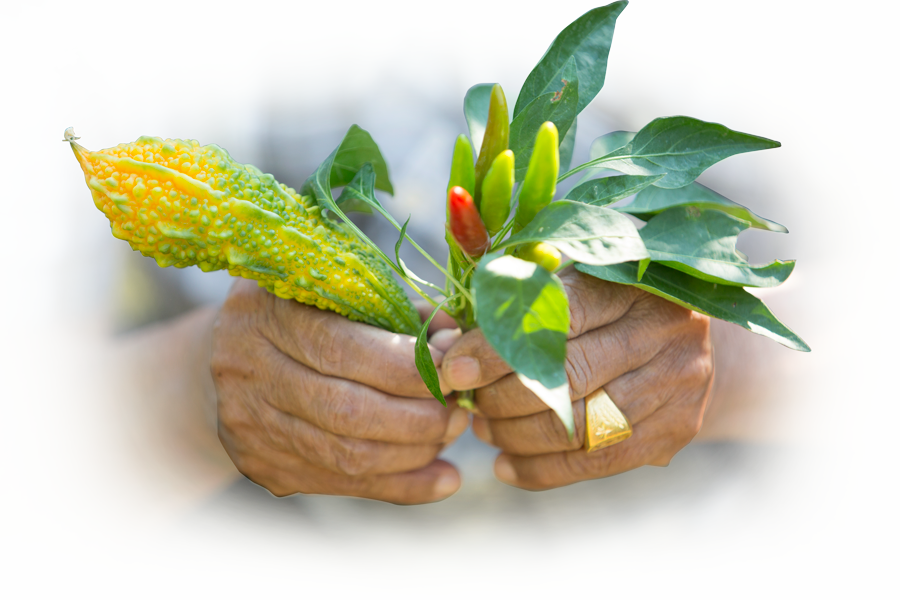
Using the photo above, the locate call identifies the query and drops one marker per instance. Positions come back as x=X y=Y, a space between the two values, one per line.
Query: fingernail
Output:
x=462 y=372
x=504 y=470
x=459 y=420
x=446 y=485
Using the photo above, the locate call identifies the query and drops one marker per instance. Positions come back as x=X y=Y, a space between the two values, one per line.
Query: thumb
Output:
x=471 y=363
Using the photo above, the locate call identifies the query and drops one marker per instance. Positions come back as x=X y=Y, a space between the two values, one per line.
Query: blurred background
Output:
x=793 y=492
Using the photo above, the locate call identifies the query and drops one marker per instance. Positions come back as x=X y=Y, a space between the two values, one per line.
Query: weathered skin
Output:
x=184 y=204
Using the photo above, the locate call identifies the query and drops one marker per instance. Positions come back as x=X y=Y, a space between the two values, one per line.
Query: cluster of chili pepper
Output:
x=480 y=193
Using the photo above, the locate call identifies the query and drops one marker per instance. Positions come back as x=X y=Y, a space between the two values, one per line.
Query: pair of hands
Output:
x=311 y=402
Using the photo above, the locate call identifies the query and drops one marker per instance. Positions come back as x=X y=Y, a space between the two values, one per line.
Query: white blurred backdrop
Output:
x=87 y=506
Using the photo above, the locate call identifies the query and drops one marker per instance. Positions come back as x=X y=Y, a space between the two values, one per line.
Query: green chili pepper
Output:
x=462 y=169
x=541 y=253
x=496 y=191
x=496 y=138
x=540 y=179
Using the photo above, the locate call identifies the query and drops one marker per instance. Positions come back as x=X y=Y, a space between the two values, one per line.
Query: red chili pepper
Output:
x=465 y=223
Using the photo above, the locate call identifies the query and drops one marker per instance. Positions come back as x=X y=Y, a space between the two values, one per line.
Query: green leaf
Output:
x=475 y=107
x=614 y=140
x=523 y=311
x=681 y=148
x=588 y=234
x=424 y=362
x=728 y=303
x=400 y=243
x=586 y=41
x=357 y=149
x=702 y=243
x=558 y=107
x=600 y=192
x=654 y=200
x=567 y=147
x=359 y=194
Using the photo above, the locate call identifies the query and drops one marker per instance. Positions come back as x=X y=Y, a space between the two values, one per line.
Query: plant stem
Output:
x=502 y=233
x=588 y=165
x=563 y=266
x=428 y=257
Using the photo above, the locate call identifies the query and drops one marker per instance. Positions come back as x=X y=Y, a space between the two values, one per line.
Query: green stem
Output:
x=563 y=266
x=446 y=273
x=502 y=233
x=589 y=164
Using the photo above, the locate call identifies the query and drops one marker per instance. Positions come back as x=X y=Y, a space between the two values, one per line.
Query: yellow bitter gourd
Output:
x=185 y=204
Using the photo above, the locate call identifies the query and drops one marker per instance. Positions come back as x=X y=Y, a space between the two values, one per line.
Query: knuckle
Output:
x=233 y=416
x=329 y=353
x=683 y=433
x=577 y=315
x=578 y=368
x=488 y=399
x=342 y=410
x=246 y=465
x=353 y=457
x=661 y=461
x=548 y=430
x=576 y=469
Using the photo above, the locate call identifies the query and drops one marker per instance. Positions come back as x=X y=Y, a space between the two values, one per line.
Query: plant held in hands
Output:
x=184 y=204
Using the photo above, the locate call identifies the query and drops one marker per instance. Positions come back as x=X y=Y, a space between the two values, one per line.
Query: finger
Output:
x=434 y=482
x=594 y=302
x=277 y=434
x=649 y=440
x=626 y=332
x=637 y=394
x=348 y=408
x=681 y=375
x=482 y=429
x=541 y=433
x=596 y=358
x=333 y=345
x=444 y=339
x=471 y=363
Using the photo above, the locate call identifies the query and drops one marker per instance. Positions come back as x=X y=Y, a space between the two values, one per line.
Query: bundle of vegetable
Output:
x=185 y=204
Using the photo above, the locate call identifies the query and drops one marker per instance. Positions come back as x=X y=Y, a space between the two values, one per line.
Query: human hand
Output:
x=653 y=357
x=311 y=402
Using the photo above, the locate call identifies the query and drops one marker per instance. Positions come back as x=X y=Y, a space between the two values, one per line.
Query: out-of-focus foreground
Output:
x=788 y=490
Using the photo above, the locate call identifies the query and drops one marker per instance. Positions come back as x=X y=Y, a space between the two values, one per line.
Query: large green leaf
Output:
x=613 y=140
x=702 y=243
x=475 y=107
x=359 y=194
x=586 y=41
x=567 y=147
x=424 y=361
x=654 y=200
x=728 y=303
x=588 y=234
x=600 y=192
x=679 y=147
x=523 y=312
x=357 y=149
x=558 y=107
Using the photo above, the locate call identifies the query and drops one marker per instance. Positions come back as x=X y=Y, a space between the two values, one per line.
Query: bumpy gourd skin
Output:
x=184 y=204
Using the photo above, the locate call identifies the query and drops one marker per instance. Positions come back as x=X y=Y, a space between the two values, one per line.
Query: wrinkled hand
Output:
x=311 y=402
x=654 y=358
